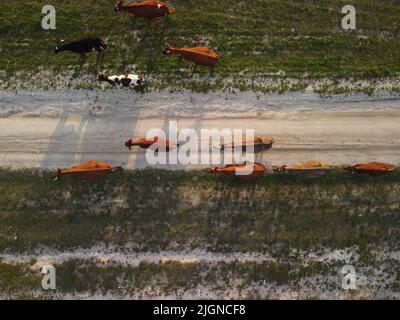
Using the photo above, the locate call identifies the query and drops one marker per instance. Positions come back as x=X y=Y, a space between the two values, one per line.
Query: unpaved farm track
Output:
x=50 y=129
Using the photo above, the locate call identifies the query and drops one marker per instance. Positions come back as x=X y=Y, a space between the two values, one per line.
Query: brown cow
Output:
x=244 y=170
x=88 y=170
x=372 y=168
x=146 y=9
x=198 y=55
x=147 y=143
x=310 y=167
x=258 y=144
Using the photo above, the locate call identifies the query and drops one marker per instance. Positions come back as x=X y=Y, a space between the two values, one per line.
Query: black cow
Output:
x=82 y=46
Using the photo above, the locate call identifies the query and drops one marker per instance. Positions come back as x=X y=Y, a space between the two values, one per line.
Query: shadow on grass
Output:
x=152 y=210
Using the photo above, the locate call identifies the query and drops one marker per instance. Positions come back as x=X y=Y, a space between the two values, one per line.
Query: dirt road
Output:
x=61 y=128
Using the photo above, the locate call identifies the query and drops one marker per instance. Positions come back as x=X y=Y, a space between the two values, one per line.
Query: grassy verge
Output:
x=149 y=279
x=244 y=280
x=258 y=40
x=154 y=210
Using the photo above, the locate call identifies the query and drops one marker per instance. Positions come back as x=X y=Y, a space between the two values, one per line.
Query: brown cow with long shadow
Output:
x=243 y=171
x=144 y=143
x=371 y=168
x=312 y=168
x=198 y=55
x=145 y=9
x=88 y=170
x=257 y=144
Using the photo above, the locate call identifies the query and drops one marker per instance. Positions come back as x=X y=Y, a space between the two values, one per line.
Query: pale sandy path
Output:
x=133 y=258
x=61 y=130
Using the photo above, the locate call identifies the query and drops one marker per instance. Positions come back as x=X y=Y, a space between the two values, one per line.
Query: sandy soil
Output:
x=135 y=258
x=370 y=280
x=59 y=128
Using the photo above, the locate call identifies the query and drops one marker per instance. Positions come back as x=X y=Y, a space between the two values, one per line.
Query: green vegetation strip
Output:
x=244 y=279
x=152 y=210
x=257 y=38
x=90 y=277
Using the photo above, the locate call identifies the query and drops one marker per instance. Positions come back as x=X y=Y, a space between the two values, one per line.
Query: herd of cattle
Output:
x=93 y=169
x=199 y=56
x=147 y=10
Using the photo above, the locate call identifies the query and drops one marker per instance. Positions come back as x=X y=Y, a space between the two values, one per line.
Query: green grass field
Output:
x=256 y=38
x=154 y=210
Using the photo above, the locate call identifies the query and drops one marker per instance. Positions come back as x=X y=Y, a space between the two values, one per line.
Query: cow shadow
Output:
x=89 y=137
x=61 y=150
x=151 y=42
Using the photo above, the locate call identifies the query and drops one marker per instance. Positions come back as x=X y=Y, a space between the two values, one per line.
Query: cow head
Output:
x=119 y=5
x=59 y=47
x=279 y=169
x=167 y=49
x=116 y=169
x=212 y=170
x=59 y=174
x=128 y=144
x=140 y=81
x=349 y=168
x=102 y=77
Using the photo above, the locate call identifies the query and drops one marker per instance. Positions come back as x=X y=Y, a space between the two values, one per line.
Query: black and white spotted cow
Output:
x=127 y=80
